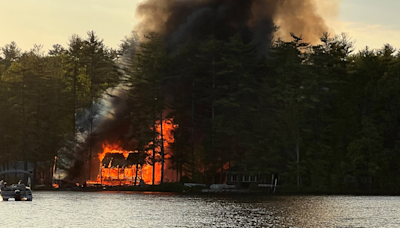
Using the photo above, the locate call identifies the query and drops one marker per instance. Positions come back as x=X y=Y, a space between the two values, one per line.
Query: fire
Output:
x=122 y=167
x=114 y=149
x=55 y=185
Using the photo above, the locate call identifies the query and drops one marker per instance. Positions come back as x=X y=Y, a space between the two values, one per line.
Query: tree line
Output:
x=324 y=117
x=44 y=95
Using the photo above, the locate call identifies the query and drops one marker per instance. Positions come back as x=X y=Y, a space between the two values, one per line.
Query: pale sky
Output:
x=370 y=23
x=48 y=22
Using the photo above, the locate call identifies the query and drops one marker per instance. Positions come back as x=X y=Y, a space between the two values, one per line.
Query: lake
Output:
x=133 y=209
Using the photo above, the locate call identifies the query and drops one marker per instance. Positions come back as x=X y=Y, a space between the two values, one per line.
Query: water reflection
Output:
x=120 y=209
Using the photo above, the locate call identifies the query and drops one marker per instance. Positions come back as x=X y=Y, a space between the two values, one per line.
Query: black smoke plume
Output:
x=255 y=20
x=178 y=20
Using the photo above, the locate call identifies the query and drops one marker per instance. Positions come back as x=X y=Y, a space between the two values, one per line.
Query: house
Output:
x=243 y=179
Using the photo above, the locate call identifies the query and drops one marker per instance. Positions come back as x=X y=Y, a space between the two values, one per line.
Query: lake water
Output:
x=127 y=209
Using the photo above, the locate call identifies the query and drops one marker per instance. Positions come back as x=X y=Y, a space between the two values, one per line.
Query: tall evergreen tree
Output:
x=288 y=91
x=146 y=100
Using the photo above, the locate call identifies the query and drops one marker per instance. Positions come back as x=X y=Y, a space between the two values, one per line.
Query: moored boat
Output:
x=20 y=191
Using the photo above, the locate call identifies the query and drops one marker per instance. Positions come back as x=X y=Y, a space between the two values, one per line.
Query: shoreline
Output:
x=232 y=192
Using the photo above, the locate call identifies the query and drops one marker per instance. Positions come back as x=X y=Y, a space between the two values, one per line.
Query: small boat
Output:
x=20 y=191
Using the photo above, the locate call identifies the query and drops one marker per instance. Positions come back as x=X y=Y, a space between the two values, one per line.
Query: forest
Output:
x=323 y=116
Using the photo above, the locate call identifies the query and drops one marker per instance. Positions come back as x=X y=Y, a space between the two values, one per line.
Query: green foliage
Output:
x=146 y=103
x=254 y=187
x=326 y=119
x=42 y=94
x=323 y=117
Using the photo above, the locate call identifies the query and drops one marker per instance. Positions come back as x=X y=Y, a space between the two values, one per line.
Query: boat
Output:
x=19 y=192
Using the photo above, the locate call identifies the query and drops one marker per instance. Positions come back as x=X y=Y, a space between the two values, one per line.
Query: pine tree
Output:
x=237 y=102
x=101 y=74
x=146 y=101
x=288 y=91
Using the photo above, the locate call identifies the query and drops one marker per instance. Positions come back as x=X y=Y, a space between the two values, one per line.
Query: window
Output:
x=234 y=177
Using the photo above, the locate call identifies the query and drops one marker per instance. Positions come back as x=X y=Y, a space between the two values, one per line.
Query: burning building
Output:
x=120 y=169
x=113 y=164
x=126 y=168
x=108 y=156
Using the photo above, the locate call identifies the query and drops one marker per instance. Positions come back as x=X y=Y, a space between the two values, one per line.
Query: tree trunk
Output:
x=137 y=167
x=154 y=131
x=162 y=148
x=91 y=116
x=298 y=162
x=192 y=146
x=74 y=101
x=220 y=177
x=177 y=173
x=239 y=180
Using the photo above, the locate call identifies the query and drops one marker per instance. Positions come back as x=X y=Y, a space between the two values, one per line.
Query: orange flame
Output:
x=113 y=149
x=113 y=176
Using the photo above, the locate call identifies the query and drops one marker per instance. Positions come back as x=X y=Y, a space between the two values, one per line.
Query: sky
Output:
x=27 y=22
x=370 y=23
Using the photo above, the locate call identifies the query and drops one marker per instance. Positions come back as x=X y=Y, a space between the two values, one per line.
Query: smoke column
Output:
x=176 y=20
